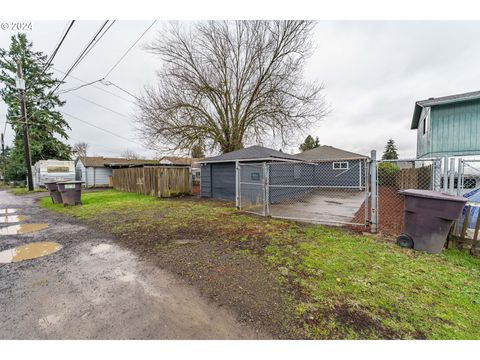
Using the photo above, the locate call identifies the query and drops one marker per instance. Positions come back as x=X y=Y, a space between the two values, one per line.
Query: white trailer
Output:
x=52 y=170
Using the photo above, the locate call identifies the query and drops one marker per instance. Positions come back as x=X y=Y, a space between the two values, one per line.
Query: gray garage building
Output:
x=219 y=173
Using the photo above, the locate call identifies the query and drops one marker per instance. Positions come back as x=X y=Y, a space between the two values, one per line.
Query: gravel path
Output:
x=94 y=289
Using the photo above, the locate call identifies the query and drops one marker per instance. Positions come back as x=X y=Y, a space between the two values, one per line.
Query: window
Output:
x=255 y=176
x=340 y=165
x=425 y=123
x=57 y=169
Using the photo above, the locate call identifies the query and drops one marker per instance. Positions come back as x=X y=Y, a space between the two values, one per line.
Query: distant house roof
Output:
x=177 y=160
x=100 y=161
x=419 y=105
x=326 y=153
x=255 y=152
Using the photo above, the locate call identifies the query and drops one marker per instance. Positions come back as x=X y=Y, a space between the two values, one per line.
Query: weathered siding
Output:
x=454 y=131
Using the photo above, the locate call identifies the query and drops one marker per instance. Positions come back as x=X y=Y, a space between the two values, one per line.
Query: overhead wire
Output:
x=129 y=49
x=103 y=129
x=81 y=56
x=57 y=47
x=91 y=83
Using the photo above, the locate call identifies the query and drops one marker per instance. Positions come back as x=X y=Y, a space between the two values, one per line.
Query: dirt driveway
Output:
x=94 y=289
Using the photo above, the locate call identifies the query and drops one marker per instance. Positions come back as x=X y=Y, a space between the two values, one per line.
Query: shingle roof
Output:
x=255 y=152
x=100 y=161
x=177 y=160
x=419 y=105
x=325 y=152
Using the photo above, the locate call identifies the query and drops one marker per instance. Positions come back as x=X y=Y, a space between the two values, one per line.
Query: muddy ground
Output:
x=97 y=288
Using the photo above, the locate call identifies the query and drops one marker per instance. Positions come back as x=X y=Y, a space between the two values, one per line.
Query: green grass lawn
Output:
x=24 y=191
x=344 y=285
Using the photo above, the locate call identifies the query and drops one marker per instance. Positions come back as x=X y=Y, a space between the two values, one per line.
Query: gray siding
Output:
x=92 y=176
x=218 y=181
x=223 y=181
x=205 y=180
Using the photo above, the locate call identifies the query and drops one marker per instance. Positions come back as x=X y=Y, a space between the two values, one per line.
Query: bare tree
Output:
x=130 y=155
x=229 y=83
x=80 y=149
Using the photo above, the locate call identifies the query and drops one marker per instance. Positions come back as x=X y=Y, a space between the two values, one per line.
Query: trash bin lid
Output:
x=70 y=182
x=429 y=194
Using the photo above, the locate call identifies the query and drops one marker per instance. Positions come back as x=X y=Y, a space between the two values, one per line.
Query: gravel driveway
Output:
x=94 y=289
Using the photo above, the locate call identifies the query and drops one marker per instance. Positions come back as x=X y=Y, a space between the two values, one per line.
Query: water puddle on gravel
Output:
x=12 y=219
x=29 y=251
x=22 y=229
x=8 y=211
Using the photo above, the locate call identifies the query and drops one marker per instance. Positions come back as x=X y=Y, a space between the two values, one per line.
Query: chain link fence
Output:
x=329 y=192
x=396 y=175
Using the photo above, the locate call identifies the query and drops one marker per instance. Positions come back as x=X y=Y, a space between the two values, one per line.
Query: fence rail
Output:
x=154 y=181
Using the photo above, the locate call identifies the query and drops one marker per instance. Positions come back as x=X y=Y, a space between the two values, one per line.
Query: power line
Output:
x=81 y=56
x=101 y=36
x=128 y=50
x=91 y=83
x=108 y=83
x=49 y=62
x=102 y=106
x=100 y=128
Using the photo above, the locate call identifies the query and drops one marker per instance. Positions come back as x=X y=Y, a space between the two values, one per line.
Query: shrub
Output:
x=387 y=173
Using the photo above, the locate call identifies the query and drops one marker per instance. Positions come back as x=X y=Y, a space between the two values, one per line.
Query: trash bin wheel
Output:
x=405 y=241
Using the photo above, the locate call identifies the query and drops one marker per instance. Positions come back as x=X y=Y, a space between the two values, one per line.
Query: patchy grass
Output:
x=24 y=191
x=297 y=280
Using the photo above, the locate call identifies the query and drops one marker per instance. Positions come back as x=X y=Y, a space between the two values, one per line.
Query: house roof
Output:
x=419 y=105
x=325 y=152
x=177 y=160
x=100 y=161
x=255 y=152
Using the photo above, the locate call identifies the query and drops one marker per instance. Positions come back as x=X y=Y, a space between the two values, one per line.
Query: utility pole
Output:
x=4 y=160
x=23 y=109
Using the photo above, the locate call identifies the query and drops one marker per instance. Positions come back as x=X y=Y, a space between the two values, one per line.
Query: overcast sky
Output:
x=373 y=74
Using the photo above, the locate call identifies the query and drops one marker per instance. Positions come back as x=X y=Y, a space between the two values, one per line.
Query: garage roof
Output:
x=255 y=152
x=326 y=152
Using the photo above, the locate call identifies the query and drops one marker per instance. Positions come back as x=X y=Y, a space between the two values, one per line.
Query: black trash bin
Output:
x=54 y=193
x=428 y=218
x=71 y=192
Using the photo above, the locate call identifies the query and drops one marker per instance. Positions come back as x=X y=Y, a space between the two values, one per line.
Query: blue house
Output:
x=448 y=125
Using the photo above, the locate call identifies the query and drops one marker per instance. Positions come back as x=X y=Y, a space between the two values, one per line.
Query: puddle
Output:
x=22 y=229
x=185 y=241
x=8 y=211
x=12 y=219
x=29 y=251
x=98 y=249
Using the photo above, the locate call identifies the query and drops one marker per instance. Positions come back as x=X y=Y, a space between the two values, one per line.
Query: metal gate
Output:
x=333 y=192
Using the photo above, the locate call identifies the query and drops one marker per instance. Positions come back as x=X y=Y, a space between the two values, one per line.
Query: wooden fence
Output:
x=415 y=178
x=461 y=237
x=154 y=181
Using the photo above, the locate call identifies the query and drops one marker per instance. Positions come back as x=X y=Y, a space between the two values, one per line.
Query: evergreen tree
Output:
x=309 y=143
x=390 y=152
x=47 y=128
x=197 y=151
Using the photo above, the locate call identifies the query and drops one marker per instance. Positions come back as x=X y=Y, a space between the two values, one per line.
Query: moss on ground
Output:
x=341 y=285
